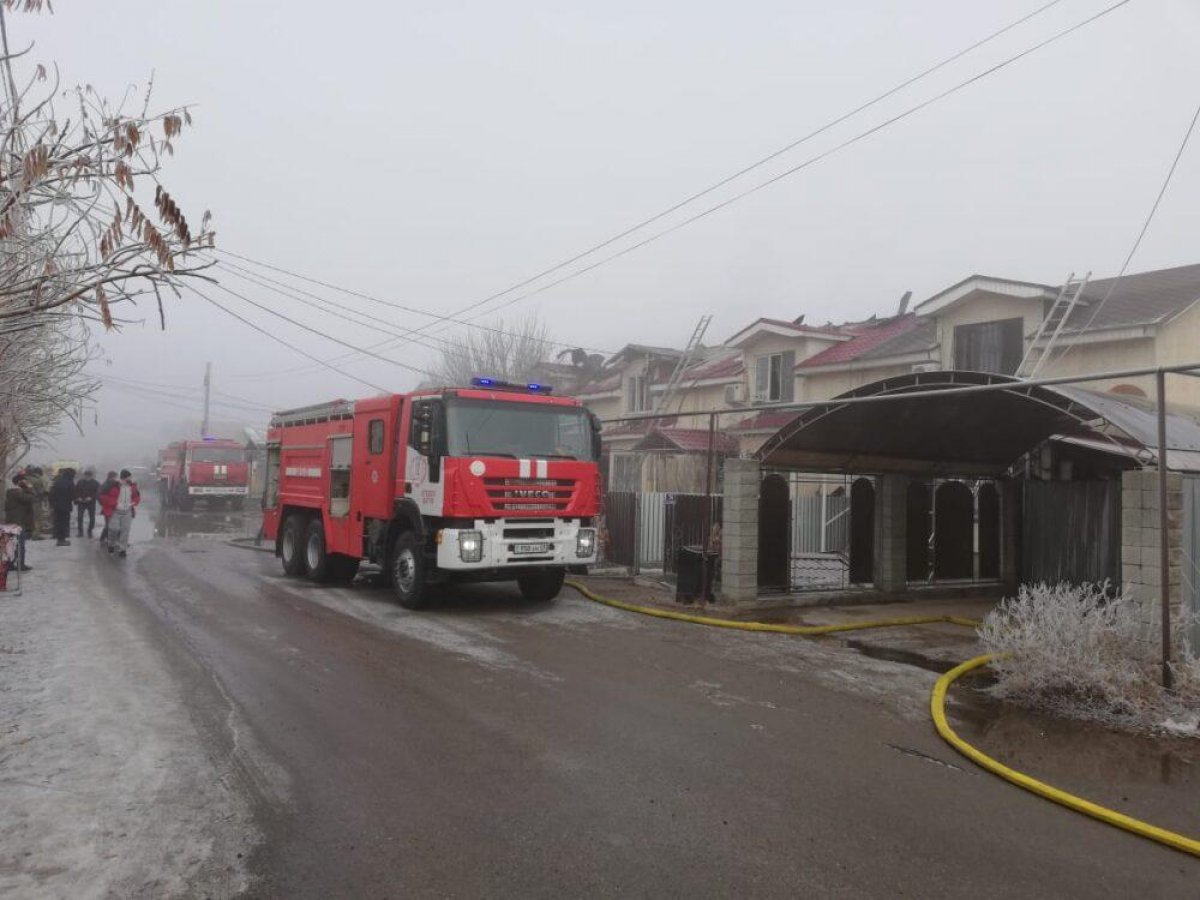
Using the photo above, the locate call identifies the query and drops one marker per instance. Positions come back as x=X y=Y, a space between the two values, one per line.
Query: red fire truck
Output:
x=489 y=483
x=214 y=470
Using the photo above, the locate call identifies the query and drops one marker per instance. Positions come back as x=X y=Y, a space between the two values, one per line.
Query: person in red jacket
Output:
x=119 y=504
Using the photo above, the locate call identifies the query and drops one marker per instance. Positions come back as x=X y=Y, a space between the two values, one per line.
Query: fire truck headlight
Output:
x=585 y=544
x=470 y=546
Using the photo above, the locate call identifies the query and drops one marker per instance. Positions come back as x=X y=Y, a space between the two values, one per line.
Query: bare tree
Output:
x=85 y=226
x=511 y=352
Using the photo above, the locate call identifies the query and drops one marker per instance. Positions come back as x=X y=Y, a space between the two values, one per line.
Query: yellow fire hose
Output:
x=937 y=708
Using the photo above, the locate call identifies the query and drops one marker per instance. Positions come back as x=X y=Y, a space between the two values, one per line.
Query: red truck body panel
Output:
x=306 y=450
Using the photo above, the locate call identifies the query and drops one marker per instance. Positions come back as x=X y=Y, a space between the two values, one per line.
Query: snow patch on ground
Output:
x=107 y=787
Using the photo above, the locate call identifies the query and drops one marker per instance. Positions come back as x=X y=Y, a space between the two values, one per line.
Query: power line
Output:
x=184 y=392
x=331 y=308
x=1142 y=233
x=319 y=333
x=454 y=317
x=391 y=304
x=768 y=158
x=811 y=160
x=281 y=341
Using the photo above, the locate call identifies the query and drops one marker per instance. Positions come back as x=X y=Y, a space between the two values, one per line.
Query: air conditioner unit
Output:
x=927 y=367
x=735 y=393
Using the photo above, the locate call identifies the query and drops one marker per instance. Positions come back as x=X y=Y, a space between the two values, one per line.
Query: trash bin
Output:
x=691 y=564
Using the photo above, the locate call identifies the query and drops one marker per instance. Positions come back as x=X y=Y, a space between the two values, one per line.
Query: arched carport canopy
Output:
x=968 y=430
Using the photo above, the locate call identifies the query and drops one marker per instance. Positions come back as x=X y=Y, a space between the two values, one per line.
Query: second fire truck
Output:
x=492 y=482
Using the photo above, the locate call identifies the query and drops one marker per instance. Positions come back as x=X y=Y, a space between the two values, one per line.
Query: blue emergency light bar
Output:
x=533 y=387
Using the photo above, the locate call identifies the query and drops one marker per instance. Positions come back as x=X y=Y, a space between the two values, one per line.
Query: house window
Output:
x=637 y=393
x=990 y=346
x=773 y=378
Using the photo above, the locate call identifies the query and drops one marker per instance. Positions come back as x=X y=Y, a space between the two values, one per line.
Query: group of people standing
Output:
x=31 y=503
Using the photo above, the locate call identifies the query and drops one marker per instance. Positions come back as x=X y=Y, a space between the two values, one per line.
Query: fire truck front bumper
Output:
x=515 y=543
x=217 y=490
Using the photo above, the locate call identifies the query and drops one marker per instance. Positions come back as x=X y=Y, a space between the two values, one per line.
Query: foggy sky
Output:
x=434 y=153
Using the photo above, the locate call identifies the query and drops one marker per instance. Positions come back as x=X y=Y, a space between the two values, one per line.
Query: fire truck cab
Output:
x=213 y=470
x=488 y=483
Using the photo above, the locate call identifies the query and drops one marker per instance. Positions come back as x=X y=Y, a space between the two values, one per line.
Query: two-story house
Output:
x=981 y=323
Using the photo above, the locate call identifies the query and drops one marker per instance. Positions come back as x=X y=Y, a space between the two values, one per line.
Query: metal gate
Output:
x=689 y=522
x=1071 y=532
x=1190 y=564
x=620 y=523
x=774 y=533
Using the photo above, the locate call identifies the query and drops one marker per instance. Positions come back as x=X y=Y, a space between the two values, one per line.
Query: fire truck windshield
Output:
x=518 y=430
x=217 y=455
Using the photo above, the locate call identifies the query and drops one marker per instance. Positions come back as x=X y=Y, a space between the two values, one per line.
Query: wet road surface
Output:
x=491 y=747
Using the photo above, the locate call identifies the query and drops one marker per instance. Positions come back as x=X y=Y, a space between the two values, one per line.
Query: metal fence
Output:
x=645 y=530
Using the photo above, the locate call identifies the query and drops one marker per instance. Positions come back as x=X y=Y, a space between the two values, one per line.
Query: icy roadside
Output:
x=106 y=788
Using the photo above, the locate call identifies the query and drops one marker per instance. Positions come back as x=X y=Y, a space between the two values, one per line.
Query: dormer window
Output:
x=773 y=378
x=637 y=394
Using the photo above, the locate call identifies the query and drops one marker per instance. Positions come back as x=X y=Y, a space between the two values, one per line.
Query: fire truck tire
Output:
x=291 y=544
x=317 y=561
x=407 y=565
x=543 y=586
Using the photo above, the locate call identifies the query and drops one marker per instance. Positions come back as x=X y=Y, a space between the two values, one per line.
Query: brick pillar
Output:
x=1141 y=536
x=739 y=531
x=1010 y=533
x=891 y=533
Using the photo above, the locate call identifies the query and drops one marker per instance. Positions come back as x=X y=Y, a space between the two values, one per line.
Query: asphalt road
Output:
x=496 y=748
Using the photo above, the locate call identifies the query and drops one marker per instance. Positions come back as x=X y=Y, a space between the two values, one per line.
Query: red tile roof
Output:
x=721 y=367
x=866 y=336
x=689 y=440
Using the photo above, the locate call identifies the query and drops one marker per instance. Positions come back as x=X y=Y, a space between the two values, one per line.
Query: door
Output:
x=371 y=454
x=953 y=531
x=862 y=531
x=774 y=544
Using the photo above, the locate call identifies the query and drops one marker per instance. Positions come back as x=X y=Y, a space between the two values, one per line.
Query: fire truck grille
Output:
x=530 y=495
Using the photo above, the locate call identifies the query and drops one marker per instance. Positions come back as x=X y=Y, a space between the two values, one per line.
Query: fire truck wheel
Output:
x=316 y=560
x=408 y=571
x=291 y=544
x=543 y=586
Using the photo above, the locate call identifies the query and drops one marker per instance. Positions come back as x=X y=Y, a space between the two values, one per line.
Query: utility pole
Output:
x=207 y=395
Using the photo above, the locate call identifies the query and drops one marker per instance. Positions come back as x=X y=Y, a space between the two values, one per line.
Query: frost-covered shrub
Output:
x=1077 y=651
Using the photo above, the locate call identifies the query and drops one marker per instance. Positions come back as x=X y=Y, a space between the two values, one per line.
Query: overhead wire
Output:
x=391 y=304
x=1141 y=233
x=455 y=316
x=254 y=326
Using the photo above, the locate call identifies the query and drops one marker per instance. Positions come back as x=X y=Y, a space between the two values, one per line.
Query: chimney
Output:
x=904 y=303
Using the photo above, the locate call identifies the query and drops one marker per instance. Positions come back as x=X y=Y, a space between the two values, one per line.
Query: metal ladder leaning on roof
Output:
x=664 y=399
x=1056 y=317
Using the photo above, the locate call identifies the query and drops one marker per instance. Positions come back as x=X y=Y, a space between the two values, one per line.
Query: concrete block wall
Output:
x=891 y=533
x=739 y=531
x=1141 y=540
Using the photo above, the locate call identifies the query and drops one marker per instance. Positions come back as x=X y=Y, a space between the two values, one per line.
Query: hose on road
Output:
x=937 y=708
x=803 y=630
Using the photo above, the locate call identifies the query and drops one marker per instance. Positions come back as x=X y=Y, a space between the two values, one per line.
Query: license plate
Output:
x=531 y=548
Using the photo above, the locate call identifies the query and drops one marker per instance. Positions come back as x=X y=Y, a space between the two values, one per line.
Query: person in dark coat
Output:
x=20 y=508
x=87 y=489
x=110 y=481
x=62 y=500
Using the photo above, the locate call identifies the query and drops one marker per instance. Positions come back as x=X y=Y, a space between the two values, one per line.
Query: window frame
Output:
x=376 y=437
